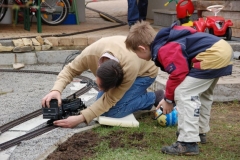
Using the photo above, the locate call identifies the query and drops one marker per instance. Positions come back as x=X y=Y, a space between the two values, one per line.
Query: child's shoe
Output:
x=181 y=148
x=203 y=137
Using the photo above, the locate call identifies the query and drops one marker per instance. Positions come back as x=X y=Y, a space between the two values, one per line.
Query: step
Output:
x=165 y=17
x=229 y=5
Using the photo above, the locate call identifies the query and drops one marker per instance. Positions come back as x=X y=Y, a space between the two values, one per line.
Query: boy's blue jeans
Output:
x=136 y=98
x=137 y=11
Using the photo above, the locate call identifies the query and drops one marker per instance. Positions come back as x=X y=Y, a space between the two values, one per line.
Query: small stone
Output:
x=27 y=42
x=35 y=42
x=18 y=65
x=53 y=40
x=47 y=42
x=40 y=40
x=6 y=48
x=38 y=48
x=18 y=42
x=22 y=49
x=45 y=47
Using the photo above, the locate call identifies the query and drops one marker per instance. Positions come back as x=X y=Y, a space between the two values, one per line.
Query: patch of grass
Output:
x=146 y=141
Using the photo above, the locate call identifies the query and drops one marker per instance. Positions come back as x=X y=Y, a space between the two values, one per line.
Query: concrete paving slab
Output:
x=17 y=131
x=4 y=155
x=29 y=125
x=85 y=98
x=79 y=85
x=6 y=136
x=93 y=91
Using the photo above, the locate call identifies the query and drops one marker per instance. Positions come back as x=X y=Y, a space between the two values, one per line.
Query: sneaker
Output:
x=181 y=148
x=203 y=137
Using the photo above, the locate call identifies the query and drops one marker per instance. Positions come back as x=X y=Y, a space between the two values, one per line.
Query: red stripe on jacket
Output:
x=171 y=53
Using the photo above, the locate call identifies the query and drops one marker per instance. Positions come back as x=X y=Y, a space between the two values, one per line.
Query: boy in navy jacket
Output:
x=194 y=62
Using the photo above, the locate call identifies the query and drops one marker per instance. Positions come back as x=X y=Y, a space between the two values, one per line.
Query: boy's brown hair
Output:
x=140 y=34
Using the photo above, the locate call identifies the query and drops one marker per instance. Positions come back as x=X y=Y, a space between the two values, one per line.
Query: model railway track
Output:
x=16 y=122
x=6 y=127
x=27 y=136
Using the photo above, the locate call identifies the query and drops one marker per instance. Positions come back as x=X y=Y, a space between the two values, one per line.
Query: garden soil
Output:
x=82 y=145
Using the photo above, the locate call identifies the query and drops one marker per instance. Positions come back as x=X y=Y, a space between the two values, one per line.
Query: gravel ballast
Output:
x=21 y=94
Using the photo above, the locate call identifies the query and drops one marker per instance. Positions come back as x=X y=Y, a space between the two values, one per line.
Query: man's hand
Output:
x=70 y=122
x=167 y=107
x=51 y=95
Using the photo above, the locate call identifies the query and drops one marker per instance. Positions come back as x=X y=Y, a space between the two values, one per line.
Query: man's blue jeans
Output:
x=137 y=11
x=136 y=98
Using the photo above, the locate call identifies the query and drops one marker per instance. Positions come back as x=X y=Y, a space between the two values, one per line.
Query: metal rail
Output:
x=16 y=122
x=27 y=136
x=5 y=127
x=29 y=71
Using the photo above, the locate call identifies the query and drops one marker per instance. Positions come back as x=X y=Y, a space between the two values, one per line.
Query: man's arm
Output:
x=70 y=122
x=76 y=67
x=73 y=69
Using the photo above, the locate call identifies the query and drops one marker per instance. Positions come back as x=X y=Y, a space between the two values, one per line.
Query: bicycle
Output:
x=53 y=12
x=3 y=10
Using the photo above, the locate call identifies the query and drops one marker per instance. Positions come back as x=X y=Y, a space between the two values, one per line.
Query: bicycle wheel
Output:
x=3 y=10
x=54 y=12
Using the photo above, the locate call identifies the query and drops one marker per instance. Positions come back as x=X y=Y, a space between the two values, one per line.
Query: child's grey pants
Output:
x=193 y=98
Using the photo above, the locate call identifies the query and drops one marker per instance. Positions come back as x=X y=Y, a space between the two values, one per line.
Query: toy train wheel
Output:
x=229 y=33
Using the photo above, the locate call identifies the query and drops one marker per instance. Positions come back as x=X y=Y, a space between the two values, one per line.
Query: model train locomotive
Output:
x=68 y=108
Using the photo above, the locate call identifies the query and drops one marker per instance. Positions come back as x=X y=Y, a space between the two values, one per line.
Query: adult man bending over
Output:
x=121 y=76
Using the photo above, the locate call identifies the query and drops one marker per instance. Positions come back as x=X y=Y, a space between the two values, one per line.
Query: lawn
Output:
x=145 y=142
